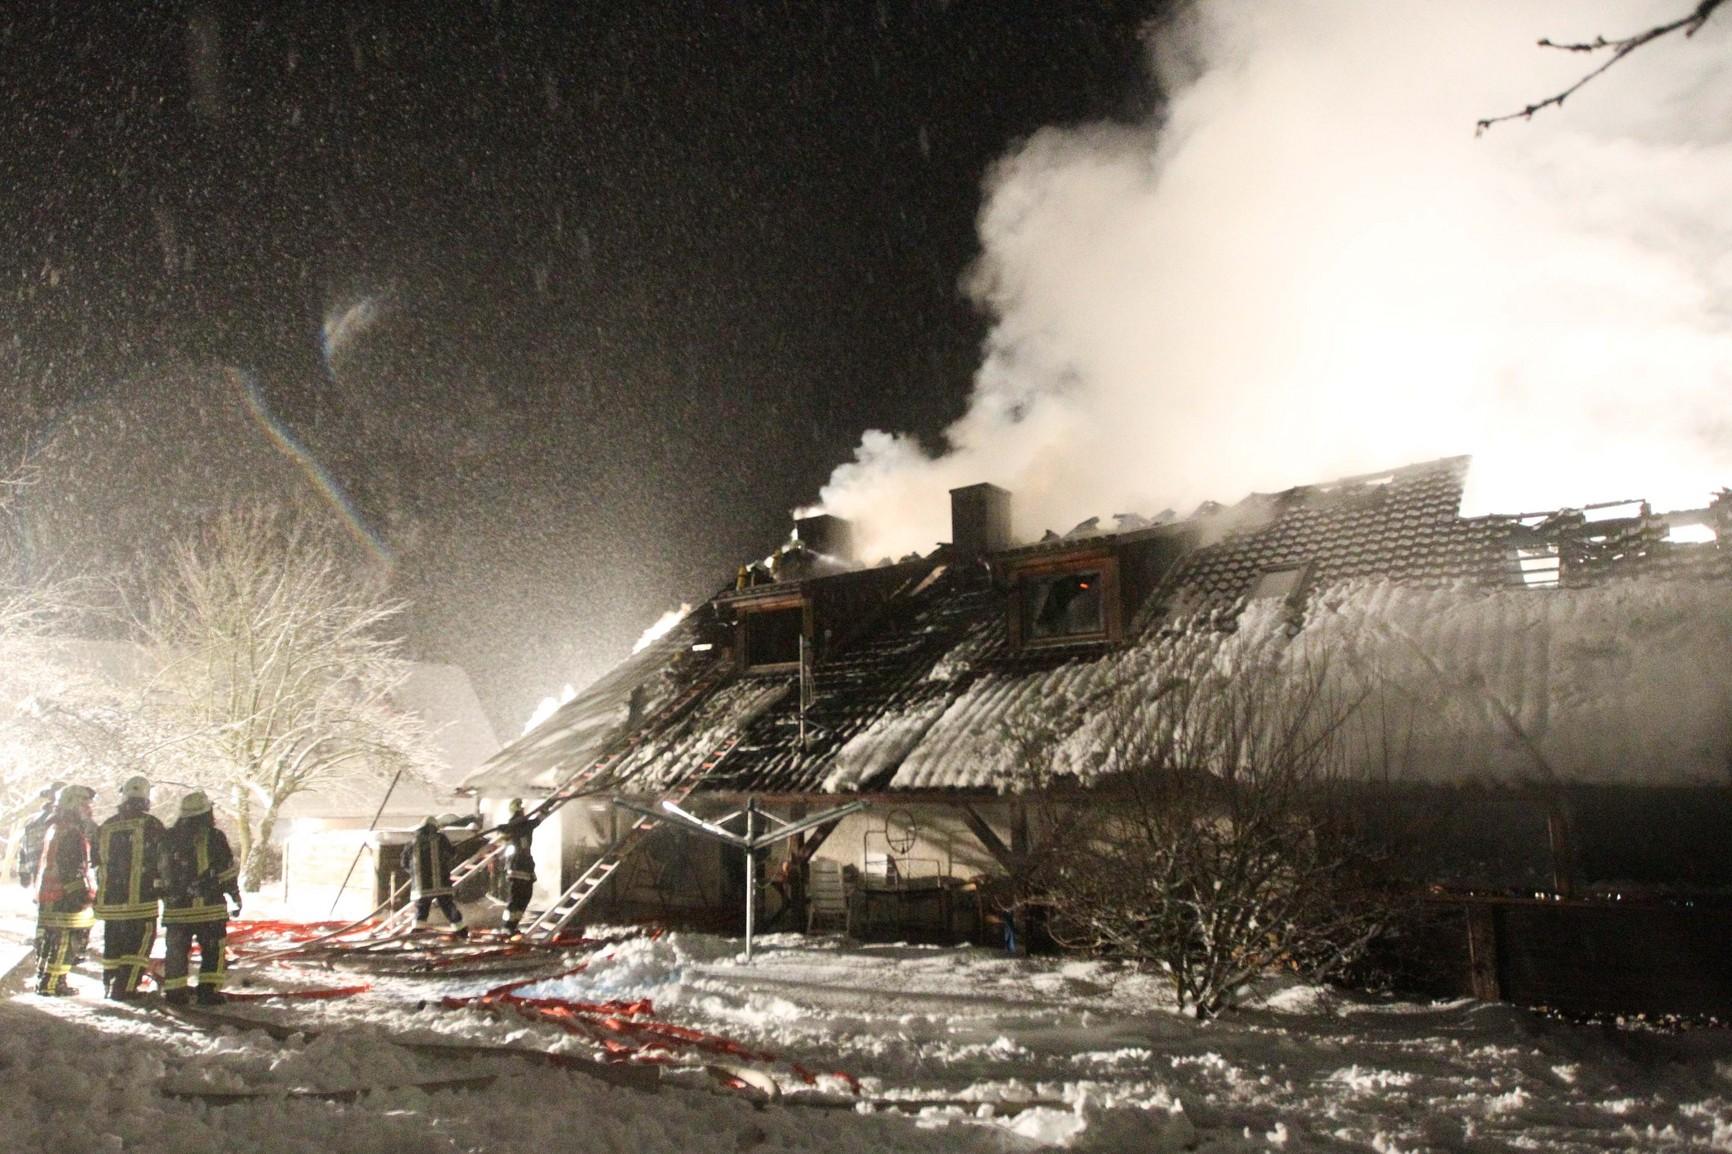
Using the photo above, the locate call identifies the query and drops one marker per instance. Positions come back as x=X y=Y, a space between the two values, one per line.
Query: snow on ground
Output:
x=1007 y=1053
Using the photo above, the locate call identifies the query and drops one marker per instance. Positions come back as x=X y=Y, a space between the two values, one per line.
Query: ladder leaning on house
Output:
x=401 y=920
x=559 y=915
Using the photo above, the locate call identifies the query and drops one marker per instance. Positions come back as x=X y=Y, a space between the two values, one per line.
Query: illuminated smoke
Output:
x=660 y=629
x=1310 y=267
x=547 y=707
x=662 y=626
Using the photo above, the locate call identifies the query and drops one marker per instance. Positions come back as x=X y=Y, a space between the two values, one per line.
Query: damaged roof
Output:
x=916 y=693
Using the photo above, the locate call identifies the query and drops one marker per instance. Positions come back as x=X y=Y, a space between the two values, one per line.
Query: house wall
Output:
x=693 y=879
x=333 y=872
x=942 y=843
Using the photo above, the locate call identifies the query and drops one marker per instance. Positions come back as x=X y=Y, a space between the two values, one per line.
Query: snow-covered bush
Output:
x=1221 y=846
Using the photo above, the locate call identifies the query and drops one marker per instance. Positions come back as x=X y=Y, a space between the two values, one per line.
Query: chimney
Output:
x=979 y=521
x=831 y=536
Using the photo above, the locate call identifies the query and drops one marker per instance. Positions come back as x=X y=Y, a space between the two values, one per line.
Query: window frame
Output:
x=1294 y=595
x=1103 y=562
x=743 y=614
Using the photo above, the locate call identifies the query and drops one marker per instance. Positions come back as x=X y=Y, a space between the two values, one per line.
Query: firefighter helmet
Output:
x=74 y=797
x=135 y=788
x=194 y=804
x=516 y=806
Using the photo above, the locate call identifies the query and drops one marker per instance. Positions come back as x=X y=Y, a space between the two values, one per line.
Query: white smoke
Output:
x=1311 y=267
x=662 y=626
x=547 y=707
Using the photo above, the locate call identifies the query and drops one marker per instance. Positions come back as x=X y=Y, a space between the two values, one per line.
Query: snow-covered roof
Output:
x=580 y=730
x=1484 y=676
x=445 y=698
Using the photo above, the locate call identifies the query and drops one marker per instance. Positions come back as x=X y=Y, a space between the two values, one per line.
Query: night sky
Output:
x=625 y=281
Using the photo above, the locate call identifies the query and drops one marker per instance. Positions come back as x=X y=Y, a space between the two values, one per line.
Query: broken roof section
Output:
x=910 y=677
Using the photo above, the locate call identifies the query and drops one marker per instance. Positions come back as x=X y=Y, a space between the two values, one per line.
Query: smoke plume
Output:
x=1311 y=267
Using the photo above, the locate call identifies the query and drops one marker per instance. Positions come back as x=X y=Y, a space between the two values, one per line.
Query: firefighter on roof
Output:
x=65 y=886
x=428 y=861
x=128 y=846
x=30 y=844
x=198 y=873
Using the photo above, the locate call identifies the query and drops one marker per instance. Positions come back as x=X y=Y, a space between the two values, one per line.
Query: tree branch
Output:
x=1691 y=23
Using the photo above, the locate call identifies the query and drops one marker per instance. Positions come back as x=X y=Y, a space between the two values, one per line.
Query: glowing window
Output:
x=1540 y=568
x=1697 y=534
x=1066 y=605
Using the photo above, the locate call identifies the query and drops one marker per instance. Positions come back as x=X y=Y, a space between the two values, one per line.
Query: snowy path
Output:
x=1300 y=1072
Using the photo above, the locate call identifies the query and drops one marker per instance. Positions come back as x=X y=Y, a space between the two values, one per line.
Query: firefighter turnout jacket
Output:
x=128 y=849
x=428 y=861
x=519 y=850
x=66 y=883
x=198 y=870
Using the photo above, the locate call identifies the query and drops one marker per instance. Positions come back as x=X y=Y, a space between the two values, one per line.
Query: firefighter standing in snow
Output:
x=428 y=860
x=30 y=844
x=65 y=886
x=519 y=859
x=128 y=846
x=198 y=874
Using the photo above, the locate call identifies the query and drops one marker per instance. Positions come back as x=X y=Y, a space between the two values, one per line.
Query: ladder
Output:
x=556 y=917
x=400 y=921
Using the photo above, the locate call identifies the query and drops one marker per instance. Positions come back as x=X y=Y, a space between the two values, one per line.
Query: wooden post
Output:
x=751 y=873
x=798 y=870
x=1018 y=889
x=1482 y=952
x=1562 y=847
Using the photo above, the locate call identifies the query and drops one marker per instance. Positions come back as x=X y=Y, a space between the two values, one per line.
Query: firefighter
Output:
x=428 y=861
x=30 y=843
x=519 y=859
x=199 y=879
x=128 y=848
x=65 y=887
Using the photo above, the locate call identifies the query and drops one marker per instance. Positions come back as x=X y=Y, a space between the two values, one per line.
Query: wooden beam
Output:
x=806 y=844
x=1482 y=951
x=988 y=837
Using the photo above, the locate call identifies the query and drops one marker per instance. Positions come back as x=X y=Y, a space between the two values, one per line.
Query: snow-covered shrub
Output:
x=1221 y=845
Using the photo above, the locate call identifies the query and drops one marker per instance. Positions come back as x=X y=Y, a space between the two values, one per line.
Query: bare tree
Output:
x=36 y=743
x=279 y=667
x=35 y=680
x=1689 y=24
x=1219 y=844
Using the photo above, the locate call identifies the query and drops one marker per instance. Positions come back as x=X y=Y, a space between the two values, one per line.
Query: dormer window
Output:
x=1065 y=606
x=769 y=634
x=1065 y=601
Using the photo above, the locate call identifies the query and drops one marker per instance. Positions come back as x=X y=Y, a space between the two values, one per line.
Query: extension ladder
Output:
x=555 y=918
x=402 y=920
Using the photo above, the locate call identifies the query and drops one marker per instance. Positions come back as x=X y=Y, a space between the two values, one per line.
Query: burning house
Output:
x=1551 y=693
